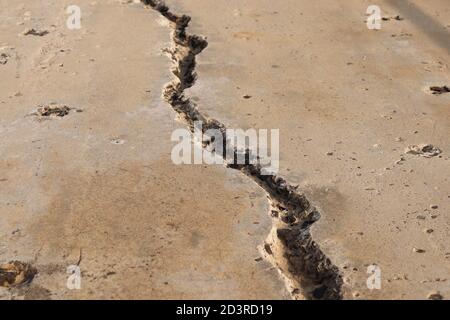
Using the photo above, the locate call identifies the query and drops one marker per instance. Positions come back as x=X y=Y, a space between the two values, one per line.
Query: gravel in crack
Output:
x=437 y=90
x=424 y=150
x=16 y=273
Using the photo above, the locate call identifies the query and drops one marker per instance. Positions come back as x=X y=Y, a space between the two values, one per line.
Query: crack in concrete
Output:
x=290 y=247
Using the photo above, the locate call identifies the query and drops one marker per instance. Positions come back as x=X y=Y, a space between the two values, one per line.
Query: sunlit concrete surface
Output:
x=97 y=187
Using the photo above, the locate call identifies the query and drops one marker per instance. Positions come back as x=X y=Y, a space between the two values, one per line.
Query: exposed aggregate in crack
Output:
x=308 y=271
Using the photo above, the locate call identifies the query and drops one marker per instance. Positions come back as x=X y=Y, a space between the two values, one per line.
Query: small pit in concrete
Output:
x=16 y=273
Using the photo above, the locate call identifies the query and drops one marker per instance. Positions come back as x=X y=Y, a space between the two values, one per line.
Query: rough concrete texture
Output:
x=101 y=181
x=348 y=102
x=97 y=188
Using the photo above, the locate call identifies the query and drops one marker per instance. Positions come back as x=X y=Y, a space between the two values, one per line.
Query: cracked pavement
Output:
x=348 y=101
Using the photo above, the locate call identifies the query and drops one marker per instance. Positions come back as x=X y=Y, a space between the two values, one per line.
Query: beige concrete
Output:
x=347 y=101
x=334 y=87
x=99 y=184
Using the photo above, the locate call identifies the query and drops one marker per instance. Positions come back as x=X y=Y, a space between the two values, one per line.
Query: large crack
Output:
x=308 y=272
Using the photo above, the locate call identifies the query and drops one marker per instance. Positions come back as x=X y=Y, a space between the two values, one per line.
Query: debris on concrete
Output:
x=4 y=58
x=400 y=161
x=435 y=296
x=34 y=32
x=117 y=141
x=423 y=150
x=6 y=52
x=402 y=35
x=55 y=110
x=397 y=17
x=438 y=90
x=16 y=273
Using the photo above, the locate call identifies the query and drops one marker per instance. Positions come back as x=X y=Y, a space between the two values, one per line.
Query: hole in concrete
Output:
x=16 y=273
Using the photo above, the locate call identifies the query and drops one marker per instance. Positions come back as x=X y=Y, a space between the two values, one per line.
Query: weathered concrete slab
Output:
x=348 y=102
x=97 y=187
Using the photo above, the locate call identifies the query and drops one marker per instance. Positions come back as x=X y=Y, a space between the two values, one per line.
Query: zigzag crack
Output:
x=307 y=271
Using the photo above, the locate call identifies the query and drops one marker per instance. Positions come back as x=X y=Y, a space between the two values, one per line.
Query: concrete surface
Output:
x=348 y=101
x=99 y=184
